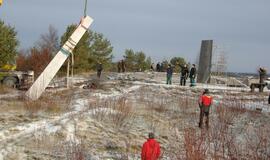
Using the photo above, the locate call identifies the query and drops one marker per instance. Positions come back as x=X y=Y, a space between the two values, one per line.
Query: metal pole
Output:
x=85 y=8
x=68 y=65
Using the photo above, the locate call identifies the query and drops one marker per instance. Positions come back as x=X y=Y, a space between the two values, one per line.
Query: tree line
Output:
x=94 y=47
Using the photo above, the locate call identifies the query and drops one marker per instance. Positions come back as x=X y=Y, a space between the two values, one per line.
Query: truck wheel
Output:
x=10 y=81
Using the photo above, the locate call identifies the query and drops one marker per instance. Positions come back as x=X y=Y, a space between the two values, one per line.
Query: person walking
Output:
x=184 y=75
x=150 y=149
x=169 y=74
x=99 y=69
x=192 y=75
x=205 y=103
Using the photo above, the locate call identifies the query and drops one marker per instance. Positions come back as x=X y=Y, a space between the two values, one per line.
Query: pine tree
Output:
x=8 y=44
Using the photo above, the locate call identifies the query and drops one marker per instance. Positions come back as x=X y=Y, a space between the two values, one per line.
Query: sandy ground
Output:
x=113 y=120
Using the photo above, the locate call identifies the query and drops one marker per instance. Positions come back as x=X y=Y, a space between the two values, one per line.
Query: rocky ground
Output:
x=112 y=119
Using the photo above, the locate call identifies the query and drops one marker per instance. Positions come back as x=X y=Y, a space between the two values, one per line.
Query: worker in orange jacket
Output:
x=150 y=149
x=205 y=103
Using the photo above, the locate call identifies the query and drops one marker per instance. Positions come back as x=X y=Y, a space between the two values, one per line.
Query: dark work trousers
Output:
x=182 y=80
x=98 y=73
x=204 y=111
x=192 y=81
x=169 y=79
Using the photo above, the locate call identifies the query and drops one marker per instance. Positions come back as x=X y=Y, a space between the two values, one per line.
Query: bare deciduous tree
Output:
x=49 y=41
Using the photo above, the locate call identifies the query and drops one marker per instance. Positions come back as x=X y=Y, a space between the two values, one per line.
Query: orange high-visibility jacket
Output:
x=206 y=100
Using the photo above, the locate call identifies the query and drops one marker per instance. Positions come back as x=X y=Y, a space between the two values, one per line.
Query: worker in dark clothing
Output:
x=158 y=67
x=123 y=66
x=205 y=103
x=152 y=67
x=99 y=69
x=184 y=75
x=161 y=67
x=269 y=99
x=150 y=149
x=192 y=75
x=262 y=73
x=119 y=66
x=169 y=74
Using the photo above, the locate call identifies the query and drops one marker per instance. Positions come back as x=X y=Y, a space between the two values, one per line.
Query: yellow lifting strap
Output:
x=1 y=1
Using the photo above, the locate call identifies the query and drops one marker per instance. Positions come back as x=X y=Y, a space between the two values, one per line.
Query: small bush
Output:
x=33 y=107
x=117 y=111
x=43 y=104
x=195 y=146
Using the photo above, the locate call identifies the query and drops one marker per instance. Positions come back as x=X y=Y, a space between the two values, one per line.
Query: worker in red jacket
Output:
x=205 y=103
x=150 y=149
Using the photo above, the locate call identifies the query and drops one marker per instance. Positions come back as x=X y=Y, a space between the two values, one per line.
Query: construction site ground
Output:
x=112 y=120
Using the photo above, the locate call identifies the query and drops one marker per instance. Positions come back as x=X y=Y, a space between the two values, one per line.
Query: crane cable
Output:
x=85 y=8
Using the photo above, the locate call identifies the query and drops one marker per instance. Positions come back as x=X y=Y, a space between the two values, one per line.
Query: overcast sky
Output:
x=160 y=28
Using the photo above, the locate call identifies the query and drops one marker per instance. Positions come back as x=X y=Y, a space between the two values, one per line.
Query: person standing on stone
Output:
x=99 y=69
x=150 y=149
x=169 y=74
x=184 y=75
x=192 y=75
x=205 y=103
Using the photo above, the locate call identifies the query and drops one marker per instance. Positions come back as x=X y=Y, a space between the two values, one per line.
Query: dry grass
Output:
x=4 y=89
x=53 y=147
x=225 y=139
x=51 y=104
x=123 y=112
x=33 y=107
x=75 y=151
x=117 y=111
x=48 y=106
x=195 y=146
x=221 y=141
